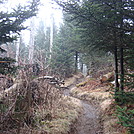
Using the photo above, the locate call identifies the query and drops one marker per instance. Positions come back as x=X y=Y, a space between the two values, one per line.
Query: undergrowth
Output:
x=126 y=117
x=125 y=110
x=36 y=107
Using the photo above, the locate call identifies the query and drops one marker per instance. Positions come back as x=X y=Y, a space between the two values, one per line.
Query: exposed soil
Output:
x=89 y=121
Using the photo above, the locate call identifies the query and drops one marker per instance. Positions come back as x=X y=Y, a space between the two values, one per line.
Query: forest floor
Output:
x=97 y=104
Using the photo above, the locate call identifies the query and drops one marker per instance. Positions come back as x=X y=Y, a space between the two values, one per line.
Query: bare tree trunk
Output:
x=51 y=35
x=18 y=43
x=31 y=44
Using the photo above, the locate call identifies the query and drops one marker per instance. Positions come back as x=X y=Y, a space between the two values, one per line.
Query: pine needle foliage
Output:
x=11 y=24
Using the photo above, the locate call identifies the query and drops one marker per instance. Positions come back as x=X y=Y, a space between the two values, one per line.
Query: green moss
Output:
x=82 y=84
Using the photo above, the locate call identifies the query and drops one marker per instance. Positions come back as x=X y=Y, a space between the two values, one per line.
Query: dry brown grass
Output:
x=35 y=107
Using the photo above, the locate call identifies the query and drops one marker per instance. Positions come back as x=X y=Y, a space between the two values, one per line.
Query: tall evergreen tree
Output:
x=63 y=57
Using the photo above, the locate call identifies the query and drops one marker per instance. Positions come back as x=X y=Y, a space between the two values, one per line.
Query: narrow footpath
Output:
x=88 y=122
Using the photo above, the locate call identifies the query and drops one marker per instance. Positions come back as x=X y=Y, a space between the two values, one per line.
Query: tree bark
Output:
x=76 y=61
x=31 y=44
x=121 y=52
x=122 y=69
x=116 y=69
x=116 y=54
x=51 y=35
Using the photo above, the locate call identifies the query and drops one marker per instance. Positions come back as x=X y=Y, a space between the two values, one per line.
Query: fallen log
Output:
x=52 y=80
x=44 y=77
x=107 y=77
x=10 y=90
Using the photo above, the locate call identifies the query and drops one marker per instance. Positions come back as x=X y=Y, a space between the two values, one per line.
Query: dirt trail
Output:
x=88 y=122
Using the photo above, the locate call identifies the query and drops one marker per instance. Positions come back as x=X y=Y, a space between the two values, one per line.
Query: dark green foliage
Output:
x=126 y=118
x=124 y=98
x=95 y=20
x=7 y=66
x=63 y=62
x=18 y=107
x=13 y=22
x=63 y=54
x=104 y=25
x=3 y=107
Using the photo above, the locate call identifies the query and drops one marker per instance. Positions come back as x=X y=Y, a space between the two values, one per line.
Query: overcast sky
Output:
x=46 y=9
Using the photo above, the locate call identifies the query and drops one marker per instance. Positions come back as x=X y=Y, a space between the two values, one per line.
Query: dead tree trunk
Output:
x=31 y=44
x=51 y=35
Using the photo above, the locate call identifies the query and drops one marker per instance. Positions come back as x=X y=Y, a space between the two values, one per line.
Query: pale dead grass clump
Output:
x=105 y=104
x=91 y=95
x=109 y=126
x=73 y=79
x=62 y=117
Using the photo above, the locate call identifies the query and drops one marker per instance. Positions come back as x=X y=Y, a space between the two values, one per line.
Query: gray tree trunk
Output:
x=31 y=43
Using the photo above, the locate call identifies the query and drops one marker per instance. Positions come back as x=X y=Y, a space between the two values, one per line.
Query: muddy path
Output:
x=89 y=121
